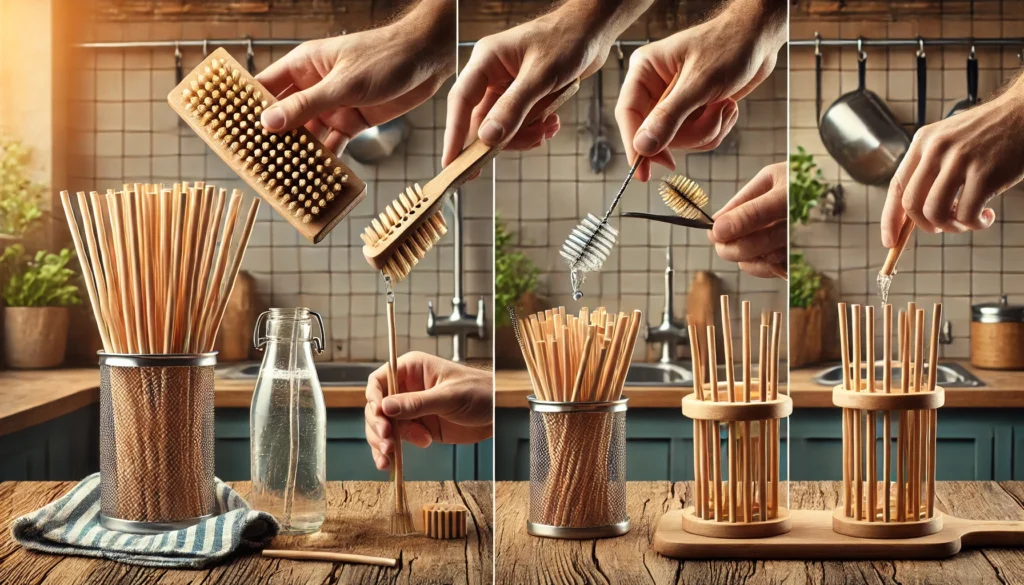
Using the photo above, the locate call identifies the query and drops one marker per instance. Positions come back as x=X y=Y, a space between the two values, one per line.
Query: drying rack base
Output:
x=885 y=530
x=812 y=537
x=710 y=528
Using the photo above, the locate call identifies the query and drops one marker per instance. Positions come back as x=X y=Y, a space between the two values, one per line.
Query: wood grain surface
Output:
x=523 y=559
x=356 y=523
x=1003 y=389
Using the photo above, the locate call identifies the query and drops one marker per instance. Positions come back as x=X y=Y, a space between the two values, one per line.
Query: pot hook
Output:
x=920 y=47
x=861 y=55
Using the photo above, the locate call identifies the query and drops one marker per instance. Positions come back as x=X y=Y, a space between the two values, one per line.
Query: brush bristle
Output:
x=684 y=196
x=401 y=523
x=407 y=251
x=589 y=257
x=293 y=167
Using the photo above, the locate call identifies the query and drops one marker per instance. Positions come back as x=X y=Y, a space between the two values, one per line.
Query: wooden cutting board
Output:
x=812 y=537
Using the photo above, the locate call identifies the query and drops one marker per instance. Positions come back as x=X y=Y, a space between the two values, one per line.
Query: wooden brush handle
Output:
x=477 y=154
x=901 y=242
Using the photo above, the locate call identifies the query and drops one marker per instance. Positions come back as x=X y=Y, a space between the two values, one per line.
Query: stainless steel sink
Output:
x=659 y=375
x=674 y=374
x=949 y=375
x=330 y=374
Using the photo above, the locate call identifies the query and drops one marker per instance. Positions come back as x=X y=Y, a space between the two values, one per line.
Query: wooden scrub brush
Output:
x=292 y=171
x=409 y=227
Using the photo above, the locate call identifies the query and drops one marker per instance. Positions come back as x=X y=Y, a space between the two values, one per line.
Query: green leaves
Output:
x=804 y=282
x=806 y=186
x=20 y=197
x=514 y=273
x=42 y=281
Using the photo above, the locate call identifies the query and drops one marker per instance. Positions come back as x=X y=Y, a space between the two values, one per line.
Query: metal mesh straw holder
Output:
x=156 y=441
x=747 y=502
x=577 y=469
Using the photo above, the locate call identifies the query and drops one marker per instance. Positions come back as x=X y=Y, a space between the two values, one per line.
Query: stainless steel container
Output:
x=997 y=335
x=156 y=441
x=577 y=469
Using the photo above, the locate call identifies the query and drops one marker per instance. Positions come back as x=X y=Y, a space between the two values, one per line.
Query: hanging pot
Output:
x=972 y=86
x=861 y=133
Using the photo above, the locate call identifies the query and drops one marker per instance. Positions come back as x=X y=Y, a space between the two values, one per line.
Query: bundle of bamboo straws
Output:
x=149 y=266
x=752 y=492
x=580 y=359
x=916 y=439
x=158 y=285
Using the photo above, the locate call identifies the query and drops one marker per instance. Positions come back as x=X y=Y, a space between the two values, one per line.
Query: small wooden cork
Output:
x=445 y=521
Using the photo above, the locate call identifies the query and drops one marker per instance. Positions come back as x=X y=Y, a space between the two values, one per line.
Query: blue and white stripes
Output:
x=70 y=525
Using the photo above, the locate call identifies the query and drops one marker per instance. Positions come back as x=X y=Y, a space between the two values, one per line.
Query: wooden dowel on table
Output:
x=327 y=556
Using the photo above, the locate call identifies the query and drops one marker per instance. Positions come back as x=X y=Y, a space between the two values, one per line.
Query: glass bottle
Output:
x=287 y=423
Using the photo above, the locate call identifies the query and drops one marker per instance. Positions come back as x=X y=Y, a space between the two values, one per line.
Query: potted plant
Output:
x=515 y=280
x=812 y=326
x=804 y=313
x=20 y=197
x=37 y=292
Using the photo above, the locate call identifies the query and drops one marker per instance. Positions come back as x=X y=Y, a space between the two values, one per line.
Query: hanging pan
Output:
x=860 y=132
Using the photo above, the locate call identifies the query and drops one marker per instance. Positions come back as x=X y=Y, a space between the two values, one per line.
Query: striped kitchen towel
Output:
x=71 y=526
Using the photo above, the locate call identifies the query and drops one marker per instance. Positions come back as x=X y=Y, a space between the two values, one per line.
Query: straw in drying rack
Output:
x=747 y=504
x=873 y=507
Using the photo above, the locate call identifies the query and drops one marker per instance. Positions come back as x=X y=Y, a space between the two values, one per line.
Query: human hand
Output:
x=509 y=72
x=718 y=62
x=438 y=400
x=976 y=155
x=751 y=228
x=346 y=84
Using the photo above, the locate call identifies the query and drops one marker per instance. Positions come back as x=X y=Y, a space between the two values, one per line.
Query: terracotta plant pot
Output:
x=34 y=337
x=804 y=336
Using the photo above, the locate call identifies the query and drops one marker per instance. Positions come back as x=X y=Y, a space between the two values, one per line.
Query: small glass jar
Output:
x=287 y=423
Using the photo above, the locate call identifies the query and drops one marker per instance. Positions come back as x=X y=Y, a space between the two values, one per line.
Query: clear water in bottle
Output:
x=287 y=424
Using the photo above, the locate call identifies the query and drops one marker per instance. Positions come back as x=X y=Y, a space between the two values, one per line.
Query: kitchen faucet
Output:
x=460 y=324
x=671 y=333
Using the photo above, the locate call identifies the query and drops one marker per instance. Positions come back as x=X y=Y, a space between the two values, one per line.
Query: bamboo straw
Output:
x=731 y=389
x=88 y=270
x=916 y=415
x=872 y=463
x=857 y=426
x=762 y=451
x=773 y=460
x=844 y=343
x=745 y=445
x=716 y=443
x=886 y=416
x=933 y=366
x=901 y=440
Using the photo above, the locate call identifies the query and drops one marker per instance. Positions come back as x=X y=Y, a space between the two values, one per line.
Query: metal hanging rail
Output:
x=206 y=43
x=916 y=43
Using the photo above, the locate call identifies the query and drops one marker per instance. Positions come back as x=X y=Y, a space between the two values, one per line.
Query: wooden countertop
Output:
x=356 y=523
x=523 y=559
x=1002 y=390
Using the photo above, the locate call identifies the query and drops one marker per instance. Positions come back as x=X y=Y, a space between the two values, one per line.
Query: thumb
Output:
x=662 y=124
x=409 y=405
x=301 y=107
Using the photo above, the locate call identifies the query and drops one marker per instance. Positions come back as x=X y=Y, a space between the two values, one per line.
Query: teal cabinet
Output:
x=63 y=449
x=67 y=448
x=973 y=444
x=348 y=455
x=659 y=445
